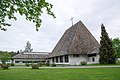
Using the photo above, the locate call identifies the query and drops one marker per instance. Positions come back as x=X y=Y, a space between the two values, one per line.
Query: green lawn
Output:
x=61 y=74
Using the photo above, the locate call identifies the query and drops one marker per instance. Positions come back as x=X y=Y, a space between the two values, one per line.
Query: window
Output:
x=16 y=61
x=35 y=61
x=56 y=59
x=23 y=61
x=53 y=60
x=76 y=55
x=61 y=59
x=66 y=58
x=91 y=55
x=93 y=59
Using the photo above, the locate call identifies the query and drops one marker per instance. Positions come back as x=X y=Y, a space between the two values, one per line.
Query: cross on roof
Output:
x=72 y=20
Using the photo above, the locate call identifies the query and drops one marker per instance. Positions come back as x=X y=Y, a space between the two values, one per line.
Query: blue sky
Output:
x=91 y=12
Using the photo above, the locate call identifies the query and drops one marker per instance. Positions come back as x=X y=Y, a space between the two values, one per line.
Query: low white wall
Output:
x=76 y=60
x=96 y=59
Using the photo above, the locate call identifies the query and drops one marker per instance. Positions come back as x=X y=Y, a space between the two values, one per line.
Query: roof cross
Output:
x=72 y=20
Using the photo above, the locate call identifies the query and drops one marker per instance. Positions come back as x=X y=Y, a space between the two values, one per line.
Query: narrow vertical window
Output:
x=61 y=59
x=93 y=59
x=66 y=58
x=56 y=59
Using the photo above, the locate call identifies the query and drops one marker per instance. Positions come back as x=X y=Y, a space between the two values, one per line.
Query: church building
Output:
x=76 y=45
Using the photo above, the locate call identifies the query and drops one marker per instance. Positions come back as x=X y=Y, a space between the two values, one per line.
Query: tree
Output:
x=116 y=46
x=106 y=50
x=28 y=47
x=32 y=9
x=12 y=53
x=4 y=56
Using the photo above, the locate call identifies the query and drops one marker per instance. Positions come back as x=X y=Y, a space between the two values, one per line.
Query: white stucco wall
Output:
x=72 y=60
x=96 y=59
x=76 y=60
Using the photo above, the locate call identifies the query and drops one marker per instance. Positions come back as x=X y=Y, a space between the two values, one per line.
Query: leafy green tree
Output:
x=106 y=51
x=32 y=9
x=116 y=46
x=4 y=56
x=12 y=53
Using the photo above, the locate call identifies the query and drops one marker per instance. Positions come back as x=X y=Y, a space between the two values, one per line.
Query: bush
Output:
x=4 y=66
x=12 y=64
x=47 y=64
x=35 y=66
x=0 y=65
x=83 y=63
x=40 y=64
x=27 y=64
x=53 y=65
x=9 y=64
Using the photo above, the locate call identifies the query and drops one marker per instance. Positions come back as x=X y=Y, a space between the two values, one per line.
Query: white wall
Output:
x=76 y=60
x=72 y=60
x=96 y=59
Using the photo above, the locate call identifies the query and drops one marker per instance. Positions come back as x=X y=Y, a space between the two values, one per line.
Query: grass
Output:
x=61 y=74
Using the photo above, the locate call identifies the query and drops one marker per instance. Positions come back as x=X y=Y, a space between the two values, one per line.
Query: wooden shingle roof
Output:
x=32 y=55
x=76 y=40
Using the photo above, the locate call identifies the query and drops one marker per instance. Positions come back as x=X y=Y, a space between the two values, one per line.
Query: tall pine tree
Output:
x=106 y=50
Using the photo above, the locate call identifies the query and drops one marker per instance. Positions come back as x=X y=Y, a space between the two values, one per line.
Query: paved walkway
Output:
x=116 y=66
x=91 y=66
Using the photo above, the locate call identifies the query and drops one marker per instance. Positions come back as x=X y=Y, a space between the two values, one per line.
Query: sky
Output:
x=91 y=12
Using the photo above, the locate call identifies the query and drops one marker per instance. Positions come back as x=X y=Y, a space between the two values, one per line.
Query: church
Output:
x=76 y=45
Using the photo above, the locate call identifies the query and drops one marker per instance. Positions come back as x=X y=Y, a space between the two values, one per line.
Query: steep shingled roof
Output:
x=76 y=40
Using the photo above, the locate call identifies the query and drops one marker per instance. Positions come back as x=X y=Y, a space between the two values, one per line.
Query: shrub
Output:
x=53 y=65
x=35 y=66
x=40 y=64
x=4 y=66
x=27 y=64
x=0 y=65
x=12 y=64
x=83 y=63
x=47 y=64
x=9 y=64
